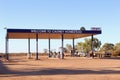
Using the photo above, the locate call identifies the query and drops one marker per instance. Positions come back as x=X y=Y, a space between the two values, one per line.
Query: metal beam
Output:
x=92 y=46
x=6 y=51
x=62 y=46
x=73 y=44
x=49 y=47
x=29 y=53
x=36 y=46
x=73 y=48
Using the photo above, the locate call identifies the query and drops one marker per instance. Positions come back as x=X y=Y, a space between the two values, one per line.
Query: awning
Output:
x=49 y=33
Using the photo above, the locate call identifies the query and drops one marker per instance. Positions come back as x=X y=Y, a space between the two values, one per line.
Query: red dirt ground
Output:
x=71 y=68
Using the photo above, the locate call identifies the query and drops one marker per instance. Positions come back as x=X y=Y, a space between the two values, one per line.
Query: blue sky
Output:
x=58 y=14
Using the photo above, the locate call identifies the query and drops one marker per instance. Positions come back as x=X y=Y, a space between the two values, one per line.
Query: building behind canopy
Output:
x=48 y=34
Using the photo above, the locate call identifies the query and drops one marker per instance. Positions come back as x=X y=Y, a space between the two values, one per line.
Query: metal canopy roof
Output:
x=49 y=33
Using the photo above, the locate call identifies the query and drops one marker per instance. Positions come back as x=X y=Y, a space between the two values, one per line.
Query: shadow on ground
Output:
x=115 y=58
x=49 y=71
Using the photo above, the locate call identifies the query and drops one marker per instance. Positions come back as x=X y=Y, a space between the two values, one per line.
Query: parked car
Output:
x=107 y=54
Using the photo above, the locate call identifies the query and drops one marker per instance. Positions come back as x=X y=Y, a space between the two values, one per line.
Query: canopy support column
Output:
x=73 y=47
x=49 y=47
x=73 y=44
x=36 y=46
x=92 y=46
x=62 y=46
x=29 y=53
x=6 y=51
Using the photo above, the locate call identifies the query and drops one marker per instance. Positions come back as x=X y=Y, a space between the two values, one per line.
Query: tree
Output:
x=79 y=47
x=96 y=44
x=45 y=50
x=68 y=47
x=107 y=47
x=82 y=29
x=86 y=45
x=111 y=48
x=117 y=49
x=64 y=49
